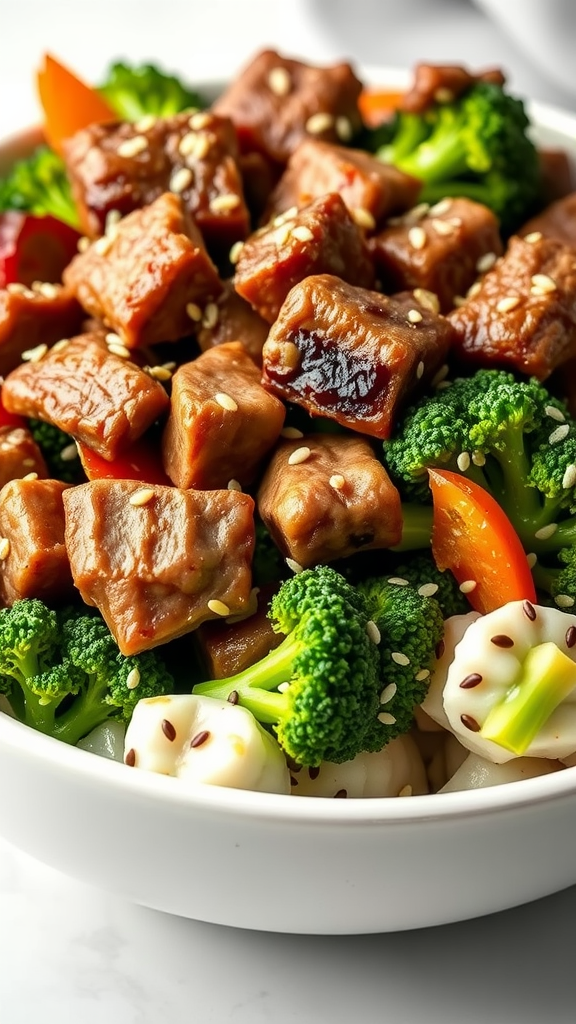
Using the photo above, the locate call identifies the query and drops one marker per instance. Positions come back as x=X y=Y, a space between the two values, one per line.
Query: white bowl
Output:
x=288 y=863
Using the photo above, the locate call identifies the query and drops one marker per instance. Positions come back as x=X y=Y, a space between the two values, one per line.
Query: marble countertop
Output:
x=72 y=955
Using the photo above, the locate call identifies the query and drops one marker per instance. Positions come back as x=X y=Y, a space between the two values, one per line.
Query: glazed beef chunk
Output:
x=442 y=83
x=33 y=555
x=523 y=314
x=275 y=102
x=325 y=497
x=372 y=190
x=158 y=561
x=351 y=354
x=230 y=647
x=97 y=397
x=222 y=422
x=557 y=221
x=30 y=317
x=117 y=168
x=19 y=455
x=143 y=278
x=439 y=248
x=231 y=318
x=322 y=238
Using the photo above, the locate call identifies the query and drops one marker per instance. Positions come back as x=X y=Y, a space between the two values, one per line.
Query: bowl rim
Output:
x=287 y=808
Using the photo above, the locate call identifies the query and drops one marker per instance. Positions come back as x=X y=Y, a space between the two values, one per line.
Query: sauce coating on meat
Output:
x=34 y=557
x=30 y=317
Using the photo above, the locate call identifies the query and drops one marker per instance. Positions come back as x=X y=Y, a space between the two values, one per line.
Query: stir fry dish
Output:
x=288 y=430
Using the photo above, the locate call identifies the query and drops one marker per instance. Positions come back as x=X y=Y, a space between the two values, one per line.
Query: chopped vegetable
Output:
x=39 y=185
x=68 y=103
x=135 y=91
x=34 y=248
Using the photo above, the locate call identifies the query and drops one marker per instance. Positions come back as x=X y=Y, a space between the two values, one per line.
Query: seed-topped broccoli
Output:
x=477 y=145
x=39 y=185
x=422 y=573
x=133 y=91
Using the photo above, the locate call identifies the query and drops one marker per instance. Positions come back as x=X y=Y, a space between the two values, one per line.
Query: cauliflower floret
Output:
x=396 y=770
x=477 y=772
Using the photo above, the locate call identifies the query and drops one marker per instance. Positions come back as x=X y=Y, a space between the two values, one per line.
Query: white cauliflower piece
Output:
x=477 y=772
x=454 y=629
x=396 y=770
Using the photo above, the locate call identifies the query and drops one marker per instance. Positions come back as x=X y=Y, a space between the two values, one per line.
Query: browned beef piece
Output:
x=222 y=422
x=557 y=221
x=34 y=560
x=276 y=102
x=523 y=315
x=436 y=248
x=372 y=190
x=442 y=83
x=29 y=318
x=259 y=176
x=124 y=166
x=19 y=455
x=351 y=354
x=557 y=175
x=231 y=318
x=325 y=497
x=230 y=647
x=322 y=238
x=142 y=277
x=97 y=397
x=158 y=561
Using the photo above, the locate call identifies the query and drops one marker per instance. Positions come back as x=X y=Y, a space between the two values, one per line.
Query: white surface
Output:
x=69 y=955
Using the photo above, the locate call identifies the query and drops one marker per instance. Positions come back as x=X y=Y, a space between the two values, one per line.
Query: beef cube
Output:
x=158 y=561
x=19 y=455
x=32 y=317
x=222 y=422
x=371 y=189
x=230 y=647
x=351 y=354
x=97 y=397
x=231 y=318
x=276 y=102
x=117 y=168
x=326 y=497
x=33 y=555
x=557 y=175
x=141 y=278
x=523 y=314
x=436 y=248
x=557 y=221
x=322 y=238
x=443 y=83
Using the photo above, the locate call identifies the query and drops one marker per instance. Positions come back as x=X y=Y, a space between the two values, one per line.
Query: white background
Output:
x=71 y=955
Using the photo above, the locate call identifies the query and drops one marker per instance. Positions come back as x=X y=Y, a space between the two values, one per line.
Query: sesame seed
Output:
x=290 y=355
x=559 y=434
x=49 y=291
x=373 y=631
x=415 y=213
x=463 y=462
x=363 y=218
x=199 y=120
x=545 y=532
x=132 y=147
x=113 y=218
x=4 y=548
x=188 y=144
x=233 y=485
x=406 y=790
x=337 y=481
x=218 y=607
x=486 y=262
x=211 y=314
x=294 y=566
x=30 y=476
x=569 y=478
x=299 y=455
x=507 y=304
x=69 y=452
x=443 y=227
x=564 y=600
x=34 y=355
x=59 y=345
x=478 y=458
x=473 y=290
x=279 y=81
x=282 y=687
x=143 y=496
x=442 y=207
x=388 y=693
x=554 y=413
x=428 y=589
x=145 y=123
x=542 y=284
x=224 y=203
x=235 y=251
x=119 y=350
x=168 y=730
x=467 y=586
x=533 y=236
x=302 y=233
x=291 y=432
x=226 y=401
x=132 y=679
x=194 y=311
x=440 y=375
x=180 y=180
x=281 y=235
x=318 y=123
x=399 y=658
x=417 y=237
x=415 y=316
x=386 y=718
x=16 y=288
x=288 y=214
x=444 y=95
x=160 y=373
x=102 y=245
x=343 y=129
x=422 y=674
x=398 y=581
x=458 y=301
x=200 y=738
x=83 y=243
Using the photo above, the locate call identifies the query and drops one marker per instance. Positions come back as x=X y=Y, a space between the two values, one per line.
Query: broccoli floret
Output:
x=556 y=583
x=411 y=626
x=478 y=146
x=134 y=91
x=327 y=669
x=59 y=451
x=421 y=571
x=39 y=185
x=63 y=673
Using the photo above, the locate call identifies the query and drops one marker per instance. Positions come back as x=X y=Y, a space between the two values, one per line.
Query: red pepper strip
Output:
x=141 y=461
x=34 y=248
x=10 y=419
x=475 y=540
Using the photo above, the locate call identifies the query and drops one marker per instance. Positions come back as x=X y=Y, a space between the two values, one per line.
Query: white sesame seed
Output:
x=218 y=607
x=132 y=679
x=279 y=81
x=373 y=632
x=428 y=589
x=463 y=462
x=282 y=687
x=16 y=288
x=386 y=718
x=194 y=311
x=564 y=600
x=422 y=674
x=234 y=485
x=113 y=218
x=318 y=123
x=478 y=458
x=30 y=476
x=299 y=455
x=533 y=236
x=141 y=497
x=443 y=227
x=559 y=434
x=545 y=532
x=224 y=203
x=388 y=693
x=4 y=548
x=363 y=218
x=569 y=478
x=531 y=558
x=417 y=237
x=440 y=375
x=199 y=120
x=294 y=566
x=132 y=147
x=187 y=144
x=34 y=355
x=281 y=235
x=442 y=207
x=160 y=373
x=486 y=262
x=180 y=180
x=291 y=432
x=69 y=452
x=467 y=586
x=406 y=790
x=443 y=95
x=337 y=481
x=226 y=401
x=473 y=290
x=288 y=214
x=302 y=233
x=145 y=123
x=102 y=245
x=542 y=284
x=399 y=658
x=59 y=345
x=398 y=581
x=415 y=213
x=414 y=316
x=457 y=301
x=555 y=413
x=508 y=303
x=119 y=350
x=343 y=129
x=235 y=251
x=83 y=243
x=49 y=291
x=419 y=370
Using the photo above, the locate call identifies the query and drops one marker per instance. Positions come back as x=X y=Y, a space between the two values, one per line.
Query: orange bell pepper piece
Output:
x=67 y=102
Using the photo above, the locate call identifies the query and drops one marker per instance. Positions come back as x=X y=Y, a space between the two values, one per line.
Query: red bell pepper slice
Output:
x=34 y=248
x=141 y=461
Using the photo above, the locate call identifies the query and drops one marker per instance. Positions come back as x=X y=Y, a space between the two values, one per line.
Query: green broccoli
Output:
x=39 y=185
x=478 y=145
x=411 y=626
x=423 y=574
x=556 y=583
x=59 y=451
x=320 y=688
x=63 y=674
x=135 y=91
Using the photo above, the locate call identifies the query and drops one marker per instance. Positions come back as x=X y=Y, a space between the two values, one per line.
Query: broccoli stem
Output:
x=440 y=158
x=254 y=683
x=547 y=677
x=416 y=527
x=84 y=715
x=37 y=714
